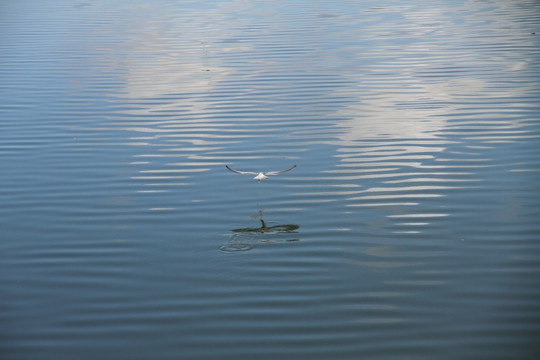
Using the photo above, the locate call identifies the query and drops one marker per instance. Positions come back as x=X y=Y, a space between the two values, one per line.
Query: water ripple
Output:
x=408 y=229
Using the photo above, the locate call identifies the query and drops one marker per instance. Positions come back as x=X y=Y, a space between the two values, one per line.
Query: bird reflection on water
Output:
x=243 y=239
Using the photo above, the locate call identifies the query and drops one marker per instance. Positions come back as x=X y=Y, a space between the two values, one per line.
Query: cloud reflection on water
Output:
x=396 y=97
x=427 y=102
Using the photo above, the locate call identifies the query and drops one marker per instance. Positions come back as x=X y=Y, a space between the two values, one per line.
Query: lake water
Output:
x=410 y=228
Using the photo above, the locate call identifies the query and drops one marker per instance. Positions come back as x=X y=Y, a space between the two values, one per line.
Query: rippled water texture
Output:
x=409 y=229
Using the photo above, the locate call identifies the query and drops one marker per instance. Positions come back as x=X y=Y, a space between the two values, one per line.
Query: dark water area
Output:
x=410 y=228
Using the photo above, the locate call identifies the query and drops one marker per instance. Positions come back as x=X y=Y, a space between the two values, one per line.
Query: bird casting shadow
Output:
x=244 y=239
x=289 y=228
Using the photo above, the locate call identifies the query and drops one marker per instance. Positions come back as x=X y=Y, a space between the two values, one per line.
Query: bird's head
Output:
x=260 y=177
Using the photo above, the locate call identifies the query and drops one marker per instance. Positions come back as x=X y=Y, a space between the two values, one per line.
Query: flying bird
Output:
x=259 y=175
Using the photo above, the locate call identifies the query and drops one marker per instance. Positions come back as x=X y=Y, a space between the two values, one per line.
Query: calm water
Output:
x=410 y=228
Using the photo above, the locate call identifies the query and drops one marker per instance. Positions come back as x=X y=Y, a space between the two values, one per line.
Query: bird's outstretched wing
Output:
x=278 y=172
x=241 y=172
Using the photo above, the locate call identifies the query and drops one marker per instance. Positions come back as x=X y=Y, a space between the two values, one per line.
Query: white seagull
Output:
x=259 y=175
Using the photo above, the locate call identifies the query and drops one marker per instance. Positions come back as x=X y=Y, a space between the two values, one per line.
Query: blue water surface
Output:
x=408 y=230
